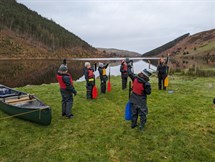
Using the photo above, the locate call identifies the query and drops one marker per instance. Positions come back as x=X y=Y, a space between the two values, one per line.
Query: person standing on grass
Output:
x=138 y=99
x=66 y=89
x=90 y=79
x=162 y=70
x=103 y=76
x=124 y=74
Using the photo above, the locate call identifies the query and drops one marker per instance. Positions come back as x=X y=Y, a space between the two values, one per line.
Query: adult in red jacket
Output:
x=66 y=89
x=138 y=99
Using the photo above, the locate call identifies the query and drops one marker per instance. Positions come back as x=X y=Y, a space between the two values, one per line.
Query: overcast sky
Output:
x=135 y=25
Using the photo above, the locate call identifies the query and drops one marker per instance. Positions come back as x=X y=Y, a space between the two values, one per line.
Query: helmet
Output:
x=146 y=72
x=127 y=60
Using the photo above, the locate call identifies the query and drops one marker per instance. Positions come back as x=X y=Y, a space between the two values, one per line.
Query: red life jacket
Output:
x=137 y=87
x=125 y=68
x=61 y=82
x=90 y=73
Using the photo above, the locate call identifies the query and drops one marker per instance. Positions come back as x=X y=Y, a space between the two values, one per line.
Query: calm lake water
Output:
x=16 y=73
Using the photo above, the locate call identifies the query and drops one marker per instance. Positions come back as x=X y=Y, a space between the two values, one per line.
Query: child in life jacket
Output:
x=103 y=76
x=124 y=73
x=90 y=79
x=66 y=89
x=138 y=99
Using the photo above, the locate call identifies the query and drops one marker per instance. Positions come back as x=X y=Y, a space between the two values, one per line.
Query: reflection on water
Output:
x=15 y=73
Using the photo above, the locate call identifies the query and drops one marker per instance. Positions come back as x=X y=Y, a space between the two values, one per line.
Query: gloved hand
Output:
x=75 y=92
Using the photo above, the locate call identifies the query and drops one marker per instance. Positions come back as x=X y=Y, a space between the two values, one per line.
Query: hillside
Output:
x=25 y=33
x=111 y=52
x=166 y=46
x=199 y=45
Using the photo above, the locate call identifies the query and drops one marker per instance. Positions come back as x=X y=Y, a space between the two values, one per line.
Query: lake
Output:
x=16 y=73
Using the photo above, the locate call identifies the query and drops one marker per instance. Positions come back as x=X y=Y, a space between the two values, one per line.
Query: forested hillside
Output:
x=21 y=28
x=166 y=46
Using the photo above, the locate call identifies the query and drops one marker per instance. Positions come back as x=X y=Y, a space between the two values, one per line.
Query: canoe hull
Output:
x=38 y=115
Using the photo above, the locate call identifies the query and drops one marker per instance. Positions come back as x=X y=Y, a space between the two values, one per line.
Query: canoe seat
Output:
x=19 y=100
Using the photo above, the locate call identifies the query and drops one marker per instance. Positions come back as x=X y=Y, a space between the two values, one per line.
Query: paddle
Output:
x=95 y=66
x=128 y=111
x=109 y=84
x=166 y=80
x=94 y=92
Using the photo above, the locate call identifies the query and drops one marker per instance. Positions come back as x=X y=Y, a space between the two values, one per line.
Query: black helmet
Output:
x=146 y=72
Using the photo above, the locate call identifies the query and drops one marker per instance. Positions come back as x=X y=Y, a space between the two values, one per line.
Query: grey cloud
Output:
x=132 y=25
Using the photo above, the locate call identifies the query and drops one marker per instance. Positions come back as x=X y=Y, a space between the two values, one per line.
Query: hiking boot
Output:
x=133 y=126
x=142 y=128
x=70 y=116
x=63 y=114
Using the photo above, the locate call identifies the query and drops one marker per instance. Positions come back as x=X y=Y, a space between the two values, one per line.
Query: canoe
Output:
x=24 y=106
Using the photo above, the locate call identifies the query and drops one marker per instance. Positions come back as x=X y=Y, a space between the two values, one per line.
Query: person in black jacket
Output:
x=162 y=70
x=138 y=99
x=66 y=89
x=90 y=79
x=103 y=76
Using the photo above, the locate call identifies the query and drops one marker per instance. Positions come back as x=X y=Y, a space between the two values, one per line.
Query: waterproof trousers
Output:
x=67 y=102
x=124 y=82
x=140 y=110
x=103 y=86
x=161 y=82
x=89 y=91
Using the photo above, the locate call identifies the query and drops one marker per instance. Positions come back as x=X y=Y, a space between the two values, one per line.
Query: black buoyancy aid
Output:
x=90 y=73
x=137 y=87
x=61 y=82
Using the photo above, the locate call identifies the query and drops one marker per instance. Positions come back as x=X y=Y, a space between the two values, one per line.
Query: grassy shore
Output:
x=180 y=126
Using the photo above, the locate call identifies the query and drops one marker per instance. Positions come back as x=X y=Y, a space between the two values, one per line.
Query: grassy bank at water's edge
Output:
x=180 y=126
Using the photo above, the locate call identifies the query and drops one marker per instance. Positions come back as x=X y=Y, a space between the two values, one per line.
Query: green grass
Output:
x=180 y=126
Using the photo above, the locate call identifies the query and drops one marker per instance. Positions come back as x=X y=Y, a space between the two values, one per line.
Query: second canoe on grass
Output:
x=24 y=106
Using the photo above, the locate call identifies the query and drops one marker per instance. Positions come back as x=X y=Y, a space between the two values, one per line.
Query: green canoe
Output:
x=24 y=106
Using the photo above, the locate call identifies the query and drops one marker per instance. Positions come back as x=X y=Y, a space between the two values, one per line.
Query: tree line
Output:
x=19 y=18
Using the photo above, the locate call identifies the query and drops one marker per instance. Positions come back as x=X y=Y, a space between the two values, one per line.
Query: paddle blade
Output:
x=94 y=92
x=109 y=87
x=166 y=82
x=128 y=112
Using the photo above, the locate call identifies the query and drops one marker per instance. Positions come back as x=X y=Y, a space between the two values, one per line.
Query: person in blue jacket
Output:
x=138 y=99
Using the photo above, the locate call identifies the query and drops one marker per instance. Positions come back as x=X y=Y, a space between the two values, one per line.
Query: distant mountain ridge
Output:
x=199 y=45
x=112 y=52
x=166 y=46
x=24 y=33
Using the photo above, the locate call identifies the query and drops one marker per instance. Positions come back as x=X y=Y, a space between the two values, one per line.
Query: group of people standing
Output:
x=140 y=86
